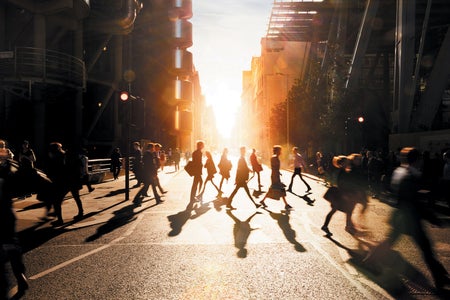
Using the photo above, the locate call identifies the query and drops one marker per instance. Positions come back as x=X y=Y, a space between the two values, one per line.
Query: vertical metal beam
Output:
x=404 y=58
x=362 y=41
x=436 y=84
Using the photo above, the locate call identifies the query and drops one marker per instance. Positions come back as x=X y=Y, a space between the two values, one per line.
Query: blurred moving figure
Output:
x=407 y=219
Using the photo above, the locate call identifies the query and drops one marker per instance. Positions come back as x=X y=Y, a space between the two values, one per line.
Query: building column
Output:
x=39 y=105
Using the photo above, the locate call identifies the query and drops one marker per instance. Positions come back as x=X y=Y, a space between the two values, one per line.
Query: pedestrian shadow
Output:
x=121 y=217
x=257 y=193
x=200 y=209
x=241 y=232
x=283 y=222
x=392 y=273
x=112 y=194
x=305 y=197
x=219 y=202
x=178 y=220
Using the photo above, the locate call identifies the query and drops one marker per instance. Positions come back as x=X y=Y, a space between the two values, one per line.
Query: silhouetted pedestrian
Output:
x=197 y=166
x=276 y=190
x=211 y=170
x=116 y=163
x=349 y=192
x=9 y=248
x=256 y=166
x=84 y=159
x=299 y=164
x=176 y=157
x=63 y=169
x=225 y=166
x=137 y=163
x=407 y=219
x=242 y=175
x=149 y=173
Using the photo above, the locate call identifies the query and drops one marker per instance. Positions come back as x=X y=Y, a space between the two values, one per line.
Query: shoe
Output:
x=22 y=284
x=309 y=189
x=57 y=223
x=326 y=230
x=287 y=206
x=158 y=201
x=79 y=216
x=163 y=192
x=258 y=205
x=91 y=190
x=289 y=190
x=263 y=204
x=230 y=207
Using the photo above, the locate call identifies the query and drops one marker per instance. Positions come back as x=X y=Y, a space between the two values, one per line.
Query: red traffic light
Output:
x=124 y=96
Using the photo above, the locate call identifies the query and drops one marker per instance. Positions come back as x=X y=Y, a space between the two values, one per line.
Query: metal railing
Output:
x=42 y=65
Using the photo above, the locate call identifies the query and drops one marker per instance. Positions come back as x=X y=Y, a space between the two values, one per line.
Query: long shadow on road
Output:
x=392 y=273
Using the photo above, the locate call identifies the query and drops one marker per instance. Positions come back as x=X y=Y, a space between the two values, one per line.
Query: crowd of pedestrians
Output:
x=351 y=180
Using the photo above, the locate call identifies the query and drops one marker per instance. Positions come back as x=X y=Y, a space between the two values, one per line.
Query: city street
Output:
x=169 y=251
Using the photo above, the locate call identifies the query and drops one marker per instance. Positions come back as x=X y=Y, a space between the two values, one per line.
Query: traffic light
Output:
x=124 y=96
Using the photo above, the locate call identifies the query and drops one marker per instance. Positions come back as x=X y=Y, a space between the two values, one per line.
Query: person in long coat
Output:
x=225 y=166
x=276 y=190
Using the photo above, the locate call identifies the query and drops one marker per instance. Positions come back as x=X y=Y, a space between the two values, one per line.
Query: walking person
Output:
x=10 y=249
x=348 y=193
x=176 y=157
x=137 y=163
x=149 y=174
x=299 y=163
x=63 y=169
x=224 y=169
x=197 y=166
x=85 y=170
x=407 y=219
x=242 y=175
x=116 y=163
x=257 y=167
x=276 y=190
x=27 y=158
x=157 y=154
x=211 y=169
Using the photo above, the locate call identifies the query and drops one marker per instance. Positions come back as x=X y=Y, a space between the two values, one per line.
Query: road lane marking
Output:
x=333 y=263
x=82 y=256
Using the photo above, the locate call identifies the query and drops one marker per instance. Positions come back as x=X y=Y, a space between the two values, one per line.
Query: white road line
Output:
x=354 y=282
x=80 y=257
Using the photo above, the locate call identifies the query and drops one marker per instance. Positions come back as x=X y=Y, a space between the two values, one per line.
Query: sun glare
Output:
x=225 y=107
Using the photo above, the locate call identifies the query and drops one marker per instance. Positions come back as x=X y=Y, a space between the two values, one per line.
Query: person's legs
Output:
x=304 y=181
x=327 y=221
x=195 y=185
x=230 y=199
x=76 y=196
x=437 y=270
x=18 y=268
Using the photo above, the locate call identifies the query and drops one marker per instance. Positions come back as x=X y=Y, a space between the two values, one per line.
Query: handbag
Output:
x=189 y=168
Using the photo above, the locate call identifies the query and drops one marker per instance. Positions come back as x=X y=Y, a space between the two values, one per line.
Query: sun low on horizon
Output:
x=226 y=35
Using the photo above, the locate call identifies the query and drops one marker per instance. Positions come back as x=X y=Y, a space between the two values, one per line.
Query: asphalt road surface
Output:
x=172 y=251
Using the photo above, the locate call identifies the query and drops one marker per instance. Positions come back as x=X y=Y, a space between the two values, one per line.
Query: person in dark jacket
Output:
x=116 y=163
x=197 y=166
x=149 y=173
x=407 y=219
x=9 y=249
x=211 y=170
x=242 y=175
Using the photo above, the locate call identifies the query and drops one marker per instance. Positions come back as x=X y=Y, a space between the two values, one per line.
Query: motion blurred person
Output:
x=407 y=219
x=9 y=249
x=149 y=173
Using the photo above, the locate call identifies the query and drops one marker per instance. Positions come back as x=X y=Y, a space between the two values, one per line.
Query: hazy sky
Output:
x=226 y=36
